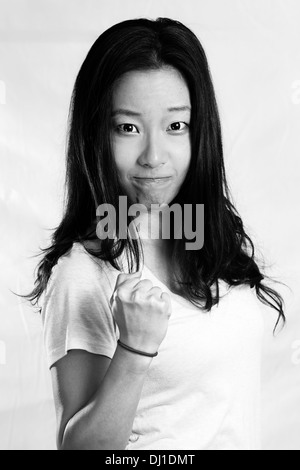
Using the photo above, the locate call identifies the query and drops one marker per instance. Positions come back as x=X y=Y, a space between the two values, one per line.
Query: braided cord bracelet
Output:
x=136 y=351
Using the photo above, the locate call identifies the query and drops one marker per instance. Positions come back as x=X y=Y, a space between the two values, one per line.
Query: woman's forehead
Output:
x=139 y=90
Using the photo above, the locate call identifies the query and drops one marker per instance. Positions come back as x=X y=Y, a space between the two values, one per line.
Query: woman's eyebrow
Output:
x=179 y=108
x=129 y=112
x=125 y=112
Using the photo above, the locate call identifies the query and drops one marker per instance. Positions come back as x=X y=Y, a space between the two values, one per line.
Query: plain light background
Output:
x=253 y=51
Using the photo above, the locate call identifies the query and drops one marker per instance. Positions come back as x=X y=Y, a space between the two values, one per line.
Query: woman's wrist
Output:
x=136 y=351
x=132 y=363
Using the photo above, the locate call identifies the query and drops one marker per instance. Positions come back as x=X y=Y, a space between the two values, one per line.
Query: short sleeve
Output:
x=75 y=311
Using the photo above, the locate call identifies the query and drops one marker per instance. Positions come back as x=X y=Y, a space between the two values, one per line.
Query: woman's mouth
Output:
x=152 y=181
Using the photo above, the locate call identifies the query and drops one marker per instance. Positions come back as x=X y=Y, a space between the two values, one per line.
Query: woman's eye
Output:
x=127 y=129
x=177 y=126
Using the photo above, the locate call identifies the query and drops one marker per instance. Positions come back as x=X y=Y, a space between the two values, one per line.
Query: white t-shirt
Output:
x=202 y=391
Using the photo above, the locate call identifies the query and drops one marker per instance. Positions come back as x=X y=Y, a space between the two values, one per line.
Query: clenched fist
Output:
x=141 y=311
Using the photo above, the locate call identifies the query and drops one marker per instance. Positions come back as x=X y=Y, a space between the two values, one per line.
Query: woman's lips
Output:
x=152 y=181
x=157 y=178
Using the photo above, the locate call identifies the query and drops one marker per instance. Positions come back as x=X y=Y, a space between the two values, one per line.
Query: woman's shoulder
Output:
x=241 y=296
x=236 y=290
x=238 y=294
x=77 y=258
x=77 y=267
x=75 y=307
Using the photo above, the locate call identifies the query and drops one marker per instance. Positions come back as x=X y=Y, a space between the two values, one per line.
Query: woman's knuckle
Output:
x=120 y=293
x=136 y=295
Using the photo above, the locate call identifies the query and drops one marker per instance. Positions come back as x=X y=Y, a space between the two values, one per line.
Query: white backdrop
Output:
x=253 y=50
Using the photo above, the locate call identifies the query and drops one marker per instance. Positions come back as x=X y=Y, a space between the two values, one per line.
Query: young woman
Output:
x=151 y=345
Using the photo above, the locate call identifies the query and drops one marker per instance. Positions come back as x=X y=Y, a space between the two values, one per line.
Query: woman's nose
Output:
x=154 y=154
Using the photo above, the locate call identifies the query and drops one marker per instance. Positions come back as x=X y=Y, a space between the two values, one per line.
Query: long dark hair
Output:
x=91 y=175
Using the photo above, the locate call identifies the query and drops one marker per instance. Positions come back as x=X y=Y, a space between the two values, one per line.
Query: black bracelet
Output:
x=136 y=351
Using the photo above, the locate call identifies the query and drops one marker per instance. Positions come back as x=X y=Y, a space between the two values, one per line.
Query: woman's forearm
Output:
x=106 y=420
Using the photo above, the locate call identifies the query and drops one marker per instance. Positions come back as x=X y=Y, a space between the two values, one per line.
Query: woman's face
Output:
x=151 y=135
